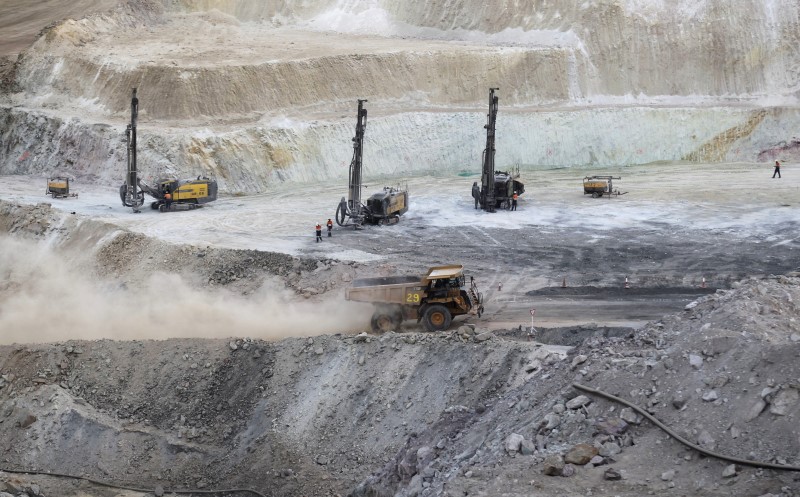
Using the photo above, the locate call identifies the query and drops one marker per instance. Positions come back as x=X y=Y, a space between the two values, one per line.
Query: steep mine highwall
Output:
x=259 y=93
x=255 y=158
x=683 y=47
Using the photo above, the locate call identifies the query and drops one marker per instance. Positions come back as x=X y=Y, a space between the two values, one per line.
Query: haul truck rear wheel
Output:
x=437 y=318
x=382 y=322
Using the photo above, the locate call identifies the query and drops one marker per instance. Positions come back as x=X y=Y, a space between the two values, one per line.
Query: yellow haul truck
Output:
x=433 y=299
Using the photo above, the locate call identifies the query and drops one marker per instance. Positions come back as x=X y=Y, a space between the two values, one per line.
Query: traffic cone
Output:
x=564 y=282
x=626 y=283
x=703 y=284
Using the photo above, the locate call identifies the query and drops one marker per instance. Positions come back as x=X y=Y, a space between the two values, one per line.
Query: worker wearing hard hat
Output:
x=330 y=227
x=319 y=232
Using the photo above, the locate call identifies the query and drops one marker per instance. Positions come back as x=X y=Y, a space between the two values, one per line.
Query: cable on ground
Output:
x=673 y=434
x=133 y=489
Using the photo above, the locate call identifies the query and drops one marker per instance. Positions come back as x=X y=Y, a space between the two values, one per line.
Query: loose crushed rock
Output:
x=470 y=410
x=738 y=402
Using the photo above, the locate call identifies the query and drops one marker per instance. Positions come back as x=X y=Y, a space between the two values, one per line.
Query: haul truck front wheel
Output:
x=437 y=318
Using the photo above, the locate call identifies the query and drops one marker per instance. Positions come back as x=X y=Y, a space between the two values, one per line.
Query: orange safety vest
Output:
x=515 y=196
x=330 y=223
x=168 y=196
x=319 y=227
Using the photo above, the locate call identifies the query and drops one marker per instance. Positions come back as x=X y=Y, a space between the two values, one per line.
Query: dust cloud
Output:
x=44 y=297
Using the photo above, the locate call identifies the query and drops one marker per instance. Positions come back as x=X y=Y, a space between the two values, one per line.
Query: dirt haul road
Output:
x=677 y=226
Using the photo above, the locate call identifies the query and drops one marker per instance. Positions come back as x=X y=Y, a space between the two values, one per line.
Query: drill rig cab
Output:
x=185 y=194
x=384 y=207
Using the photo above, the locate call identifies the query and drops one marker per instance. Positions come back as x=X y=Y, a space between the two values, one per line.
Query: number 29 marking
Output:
x=412 y=298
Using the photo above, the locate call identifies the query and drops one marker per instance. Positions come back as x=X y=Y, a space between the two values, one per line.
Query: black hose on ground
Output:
x=673 y=434
x=134 y=489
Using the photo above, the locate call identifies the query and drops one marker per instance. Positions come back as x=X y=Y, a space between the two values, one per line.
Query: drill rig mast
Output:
x=487 y=199
x=384 y=207
x=351 y=207
x=497 y=187
x=129 y=192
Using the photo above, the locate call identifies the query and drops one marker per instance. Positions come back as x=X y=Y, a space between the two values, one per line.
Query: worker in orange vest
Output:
x=330 y=227
x=319 y=233
x=168 y=199
x=514 y=202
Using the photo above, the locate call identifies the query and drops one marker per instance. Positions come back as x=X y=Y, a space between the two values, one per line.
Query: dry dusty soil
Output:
x=483 y=409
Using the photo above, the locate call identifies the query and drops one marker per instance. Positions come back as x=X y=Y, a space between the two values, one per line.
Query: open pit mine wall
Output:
x=255 y=159
x=601 y=83
x=658 y=47
x=543 y=53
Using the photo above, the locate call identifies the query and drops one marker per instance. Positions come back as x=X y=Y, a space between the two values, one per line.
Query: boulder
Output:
x=527 y=447
x=705 y=440
x=466 y=330
x=579 y=359
x=580 y=454
x=551 y=420
x=513 y=442
x=755 y=410
x=598 y=461
x=425 y=455
x=553 y=465
x=611 y=426
x=729 y=471
x=784 y=401
x=578 y=402
x=630 y=416
x=678 y=401
x=610 y=449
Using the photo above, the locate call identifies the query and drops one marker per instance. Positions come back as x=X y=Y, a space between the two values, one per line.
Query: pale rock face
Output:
x=263 y=93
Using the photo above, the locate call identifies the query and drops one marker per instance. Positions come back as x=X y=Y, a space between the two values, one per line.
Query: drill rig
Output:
x=170 y=194
x=383 y=207
x=497 y=187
